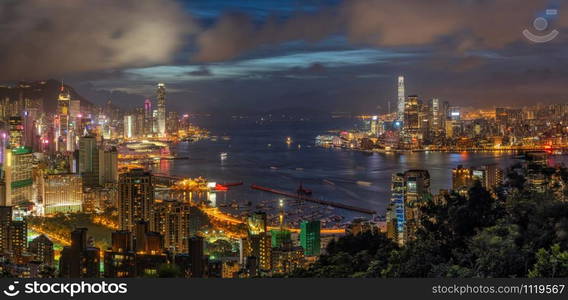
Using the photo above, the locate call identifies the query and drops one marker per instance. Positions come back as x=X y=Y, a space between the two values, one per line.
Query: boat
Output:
x=221 y=188
x=288 y=140
x=225 y=186
x=364 y=183
x=223 y=155
x=274 y=168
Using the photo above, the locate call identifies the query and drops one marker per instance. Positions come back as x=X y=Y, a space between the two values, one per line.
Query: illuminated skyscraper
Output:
x=401 y=99
x=148 y=118
x=310 y=237
x=161 y=109
x=136 y=196
x=412 y=122
x=129 y=126
x=18 y=175
x=16 y=128
x=62 y=121
x=171 y=219
x=258 y=241
x=409 y=191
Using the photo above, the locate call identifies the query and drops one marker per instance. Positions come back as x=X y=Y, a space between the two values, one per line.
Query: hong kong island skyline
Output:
x=283 y=138
x=265 y=55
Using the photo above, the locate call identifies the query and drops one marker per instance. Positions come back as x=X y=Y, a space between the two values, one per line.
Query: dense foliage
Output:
x=513 y=233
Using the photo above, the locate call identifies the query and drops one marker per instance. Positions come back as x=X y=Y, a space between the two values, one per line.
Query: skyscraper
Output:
x=16 y=127
x=135 y=199
x=171 y=219
x=108 y=166
x=18 y=175
x=148 y=118
x=89 y=160
x=62 y=121
x=161 y=109
x=310 y=237
x=129 y=126
x=258 y=241
x=401 y=99
x=409 y=191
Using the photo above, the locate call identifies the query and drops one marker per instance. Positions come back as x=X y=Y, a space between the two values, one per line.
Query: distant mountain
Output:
x=47 y=90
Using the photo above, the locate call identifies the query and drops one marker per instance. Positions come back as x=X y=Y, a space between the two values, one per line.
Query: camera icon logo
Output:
x=541 y=24
x=12 y=291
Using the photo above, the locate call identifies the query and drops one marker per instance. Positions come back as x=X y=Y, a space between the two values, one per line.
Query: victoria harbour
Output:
x=258 y=153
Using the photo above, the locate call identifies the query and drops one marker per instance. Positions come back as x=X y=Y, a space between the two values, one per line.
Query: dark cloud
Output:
x=316 y=67
x=44 y=38
x=451 y=25
x=202 y=71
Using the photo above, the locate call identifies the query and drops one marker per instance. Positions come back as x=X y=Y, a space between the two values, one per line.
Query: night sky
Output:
x=328 y=55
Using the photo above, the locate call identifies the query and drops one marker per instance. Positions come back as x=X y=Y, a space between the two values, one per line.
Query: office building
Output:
x=310 y=237
x=18 y=176
x=16 y=132
x=401 y=99
x=161 y=109
x=89 y=160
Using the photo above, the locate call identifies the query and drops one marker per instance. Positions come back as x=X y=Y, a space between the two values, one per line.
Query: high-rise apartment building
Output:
x=135 y=198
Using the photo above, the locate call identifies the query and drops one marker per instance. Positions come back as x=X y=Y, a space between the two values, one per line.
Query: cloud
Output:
x=449 y=25
x=45 y=38
x=202 y=71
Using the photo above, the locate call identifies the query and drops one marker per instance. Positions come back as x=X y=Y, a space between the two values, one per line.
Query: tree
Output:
x=553 y=263
x=169 y=271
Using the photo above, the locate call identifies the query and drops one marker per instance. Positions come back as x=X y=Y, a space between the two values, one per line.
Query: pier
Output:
x=309 y=199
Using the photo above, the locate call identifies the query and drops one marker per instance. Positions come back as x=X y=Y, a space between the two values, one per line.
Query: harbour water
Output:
x=258 y=153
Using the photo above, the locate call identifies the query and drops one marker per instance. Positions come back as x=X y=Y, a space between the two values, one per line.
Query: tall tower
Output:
x=63 y=130
x=161 y=109
x=401 y=96
x=148 y=118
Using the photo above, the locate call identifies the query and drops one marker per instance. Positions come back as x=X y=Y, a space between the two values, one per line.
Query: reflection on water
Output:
x=259 y=154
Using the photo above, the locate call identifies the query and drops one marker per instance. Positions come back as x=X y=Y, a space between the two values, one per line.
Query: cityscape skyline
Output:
x=283 y=139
